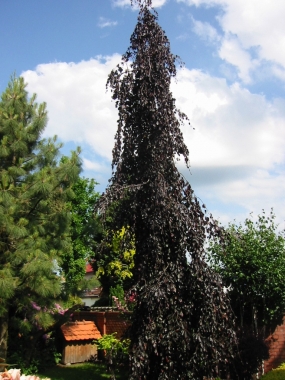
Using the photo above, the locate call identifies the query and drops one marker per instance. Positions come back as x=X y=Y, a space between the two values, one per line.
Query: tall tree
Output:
x=182 y=322
x=85 y=232
x=35 y=187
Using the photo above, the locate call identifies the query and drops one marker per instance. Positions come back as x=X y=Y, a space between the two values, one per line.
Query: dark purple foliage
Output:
x=182 y=323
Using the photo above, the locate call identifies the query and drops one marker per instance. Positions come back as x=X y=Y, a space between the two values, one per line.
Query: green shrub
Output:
x=117 y=352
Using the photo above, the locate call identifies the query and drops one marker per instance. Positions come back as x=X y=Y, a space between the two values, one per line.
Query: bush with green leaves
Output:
x=116 y=352
x=113 y=262
x=251 y=263
x=85 y=232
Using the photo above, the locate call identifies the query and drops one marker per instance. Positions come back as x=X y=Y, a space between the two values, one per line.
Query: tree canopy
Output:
x=35 y=190
x=181 y=326
x=85 y=234
x=251 y=263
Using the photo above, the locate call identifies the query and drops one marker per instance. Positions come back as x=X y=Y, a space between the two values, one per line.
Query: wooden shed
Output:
x=78 y=345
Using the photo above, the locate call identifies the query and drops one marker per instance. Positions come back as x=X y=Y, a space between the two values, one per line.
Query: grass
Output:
x=89 y=371
x=276 y=374
x=86 y=371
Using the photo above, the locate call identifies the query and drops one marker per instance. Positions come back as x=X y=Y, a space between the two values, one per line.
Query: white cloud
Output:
x=235 y=150
x=237 y=145
x=79 y=108
x=183 y=37
x=105 y=23
x=158 y=3
x=279 y=72
x=234 y=126
x=205 y=30
x=259 y=191
x=121 y=3
x=97 y=167
x=259 y=29
x=232 y=52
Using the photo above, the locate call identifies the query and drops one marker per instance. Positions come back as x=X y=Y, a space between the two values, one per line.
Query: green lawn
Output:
x=276 y=374
x=86 y=371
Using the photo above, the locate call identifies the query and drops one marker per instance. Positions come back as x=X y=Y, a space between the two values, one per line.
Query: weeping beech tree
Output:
x=182 y=323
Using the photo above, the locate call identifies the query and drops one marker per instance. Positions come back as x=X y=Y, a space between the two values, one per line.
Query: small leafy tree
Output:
x=116 y=352
x=181 y=327
x=85 y=233
x=251 y=263
x=114 y=263
x=35 y=190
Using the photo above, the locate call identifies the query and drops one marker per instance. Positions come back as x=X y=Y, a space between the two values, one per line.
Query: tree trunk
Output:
x=3 y=336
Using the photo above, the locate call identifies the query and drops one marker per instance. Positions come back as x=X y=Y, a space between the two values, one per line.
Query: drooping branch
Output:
x=182 y=323
x=142 y=3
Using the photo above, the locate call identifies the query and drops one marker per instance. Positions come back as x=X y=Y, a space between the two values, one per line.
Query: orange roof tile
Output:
x=84 y=330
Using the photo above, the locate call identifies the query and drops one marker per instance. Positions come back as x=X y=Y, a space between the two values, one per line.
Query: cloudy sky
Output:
x=232 y=87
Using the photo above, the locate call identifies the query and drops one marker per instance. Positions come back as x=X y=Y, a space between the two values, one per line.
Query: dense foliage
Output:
x=113 y=263
x=182 y=326
x=251 y=263
x=116 y=352
x=85 y=233
x=35 y=188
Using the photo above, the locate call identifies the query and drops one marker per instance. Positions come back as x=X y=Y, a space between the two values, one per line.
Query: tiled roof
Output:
x=84 y=330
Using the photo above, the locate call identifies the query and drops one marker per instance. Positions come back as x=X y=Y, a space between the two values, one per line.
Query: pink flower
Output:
x=35 y=306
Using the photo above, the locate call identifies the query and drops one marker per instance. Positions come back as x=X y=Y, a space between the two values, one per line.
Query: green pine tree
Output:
x=35 y=188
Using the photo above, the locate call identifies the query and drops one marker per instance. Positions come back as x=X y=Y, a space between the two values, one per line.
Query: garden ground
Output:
x=89 y=371
x=86 y=371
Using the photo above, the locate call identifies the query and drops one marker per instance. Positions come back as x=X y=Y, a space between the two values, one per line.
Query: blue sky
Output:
x=232 y=87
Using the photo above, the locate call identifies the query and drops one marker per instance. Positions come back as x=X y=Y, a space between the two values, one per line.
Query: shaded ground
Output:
x=86 y=371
